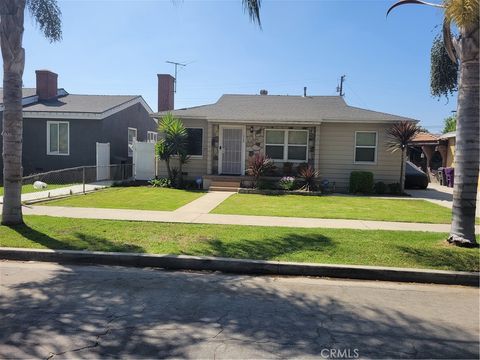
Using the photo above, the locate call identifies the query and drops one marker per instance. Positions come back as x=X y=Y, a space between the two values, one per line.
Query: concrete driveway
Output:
x=438 y=194
x=52 y=311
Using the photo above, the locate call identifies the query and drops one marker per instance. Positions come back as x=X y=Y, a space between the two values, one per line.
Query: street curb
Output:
x=240 y=266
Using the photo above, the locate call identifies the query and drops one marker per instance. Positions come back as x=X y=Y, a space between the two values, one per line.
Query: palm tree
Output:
x=47 y=15
x=400 y=135
x=463 y=48
x=172 y=143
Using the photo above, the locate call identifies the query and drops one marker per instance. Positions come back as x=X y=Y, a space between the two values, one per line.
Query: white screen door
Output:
x=231 y=151
x=103 y=161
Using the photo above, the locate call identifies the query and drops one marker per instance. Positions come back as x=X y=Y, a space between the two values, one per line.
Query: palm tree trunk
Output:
x=467 y=147
x=402 y=172
x=11 y=33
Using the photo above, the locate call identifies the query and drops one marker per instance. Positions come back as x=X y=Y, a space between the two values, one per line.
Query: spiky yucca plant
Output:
x=399 y=136
x=308 y=175
x=258 y=165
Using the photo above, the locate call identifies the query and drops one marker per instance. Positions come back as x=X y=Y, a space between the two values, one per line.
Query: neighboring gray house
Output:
x=60 y=130
x=322 y=131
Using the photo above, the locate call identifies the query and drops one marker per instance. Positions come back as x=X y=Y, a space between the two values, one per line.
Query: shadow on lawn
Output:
x=81 y=241
x=93 y=312
x=267 y=249
x=449 y=257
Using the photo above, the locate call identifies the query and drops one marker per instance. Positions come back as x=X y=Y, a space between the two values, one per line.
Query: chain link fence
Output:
x=81 y=175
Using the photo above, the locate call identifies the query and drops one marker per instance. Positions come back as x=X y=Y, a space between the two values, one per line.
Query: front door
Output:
x=231 y=160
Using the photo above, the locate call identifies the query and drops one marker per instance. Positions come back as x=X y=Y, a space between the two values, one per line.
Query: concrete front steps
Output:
x=225 y=185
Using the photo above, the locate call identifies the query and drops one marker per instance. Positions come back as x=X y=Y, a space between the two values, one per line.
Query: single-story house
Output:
x=323 y=131
x=60 y=130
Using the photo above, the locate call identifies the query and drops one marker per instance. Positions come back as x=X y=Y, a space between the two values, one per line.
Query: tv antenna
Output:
x=340 y=87
x=177 y=64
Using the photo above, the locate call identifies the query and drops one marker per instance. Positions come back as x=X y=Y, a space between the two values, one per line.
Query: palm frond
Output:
x=464 y=13
x=401 y=134
x=416 y=2
x=447 y=40
x=253 y=9
x=47 y=14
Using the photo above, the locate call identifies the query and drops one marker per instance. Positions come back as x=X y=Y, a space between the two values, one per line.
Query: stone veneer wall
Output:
x=255 y=143
x=215 y=141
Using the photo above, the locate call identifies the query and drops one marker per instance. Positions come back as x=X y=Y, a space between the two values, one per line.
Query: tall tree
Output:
x=400 y=135
x=464 y=48
x=449 y=124
x=47 y=15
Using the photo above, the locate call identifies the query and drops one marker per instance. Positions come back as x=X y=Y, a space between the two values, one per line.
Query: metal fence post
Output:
x=83 y=179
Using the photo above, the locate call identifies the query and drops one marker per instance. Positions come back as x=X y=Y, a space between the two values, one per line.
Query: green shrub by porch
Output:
x=361 y=182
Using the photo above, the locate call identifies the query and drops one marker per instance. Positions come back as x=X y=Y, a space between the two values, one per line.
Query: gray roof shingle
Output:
x=26 y=92
x=80 y=103
x=74 y=103
x=284 y=108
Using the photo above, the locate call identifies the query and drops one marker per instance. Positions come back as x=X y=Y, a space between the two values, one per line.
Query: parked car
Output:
x=415 y=178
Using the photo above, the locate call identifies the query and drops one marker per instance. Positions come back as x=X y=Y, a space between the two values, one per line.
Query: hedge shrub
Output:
x=361 y=182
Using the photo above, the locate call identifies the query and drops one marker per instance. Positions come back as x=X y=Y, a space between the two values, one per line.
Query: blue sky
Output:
x=118 y=47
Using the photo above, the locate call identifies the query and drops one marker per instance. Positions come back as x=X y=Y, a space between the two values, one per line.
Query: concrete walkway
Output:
x=203 y=218
x=439 y=195
x=64 y=191
x=205 y=204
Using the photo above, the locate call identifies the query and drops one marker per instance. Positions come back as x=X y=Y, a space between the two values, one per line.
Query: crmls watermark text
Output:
x=340 y=353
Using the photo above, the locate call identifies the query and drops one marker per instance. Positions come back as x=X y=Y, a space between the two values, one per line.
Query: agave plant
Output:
x=400 y=135
x=463 y=48
x=258 y=165
x=308 y=175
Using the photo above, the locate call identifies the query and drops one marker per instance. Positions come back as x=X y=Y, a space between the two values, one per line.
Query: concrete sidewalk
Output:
x=202 y=218
x=64 y=191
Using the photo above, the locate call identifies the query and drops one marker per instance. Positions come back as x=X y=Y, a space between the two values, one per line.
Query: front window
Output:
x=152 y=136
x=365 y=147
x=58 y=138
x=287 y=145
x=132 y=136
x=195 y=141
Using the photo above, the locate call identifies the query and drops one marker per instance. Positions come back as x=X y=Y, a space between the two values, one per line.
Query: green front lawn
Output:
x=134 y=197
x=335 y=207
x=29 y=188
x=360 y=247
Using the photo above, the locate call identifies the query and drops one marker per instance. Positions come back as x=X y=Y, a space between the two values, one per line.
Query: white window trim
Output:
x=365 y=147
x=203 y=131
x=155 y=136
x=56 y=153
x=133 y=140
x=286 y=144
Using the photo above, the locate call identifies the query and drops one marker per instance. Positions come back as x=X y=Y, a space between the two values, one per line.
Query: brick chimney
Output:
x=166 y=94
x=46 y=84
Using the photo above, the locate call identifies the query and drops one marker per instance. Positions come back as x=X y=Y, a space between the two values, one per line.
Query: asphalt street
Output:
x=53 y=311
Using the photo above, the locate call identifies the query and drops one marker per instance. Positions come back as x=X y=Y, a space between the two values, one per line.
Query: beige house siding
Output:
x=336 y=154
x=196 y=166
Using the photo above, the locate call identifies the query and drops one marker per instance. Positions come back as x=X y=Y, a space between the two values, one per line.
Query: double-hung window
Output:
x=152 y=136
x=132 y=136
x=366 y=147
x=287 y=145
x=195 y=142
x=58 y=138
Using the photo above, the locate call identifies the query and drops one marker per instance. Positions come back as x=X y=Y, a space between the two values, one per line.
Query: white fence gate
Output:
x=103 y=161
x=143 y=160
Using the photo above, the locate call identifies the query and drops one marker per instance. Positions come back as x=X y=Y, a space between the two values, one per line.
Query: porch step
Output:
x=222 y=188
x=226 y=183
